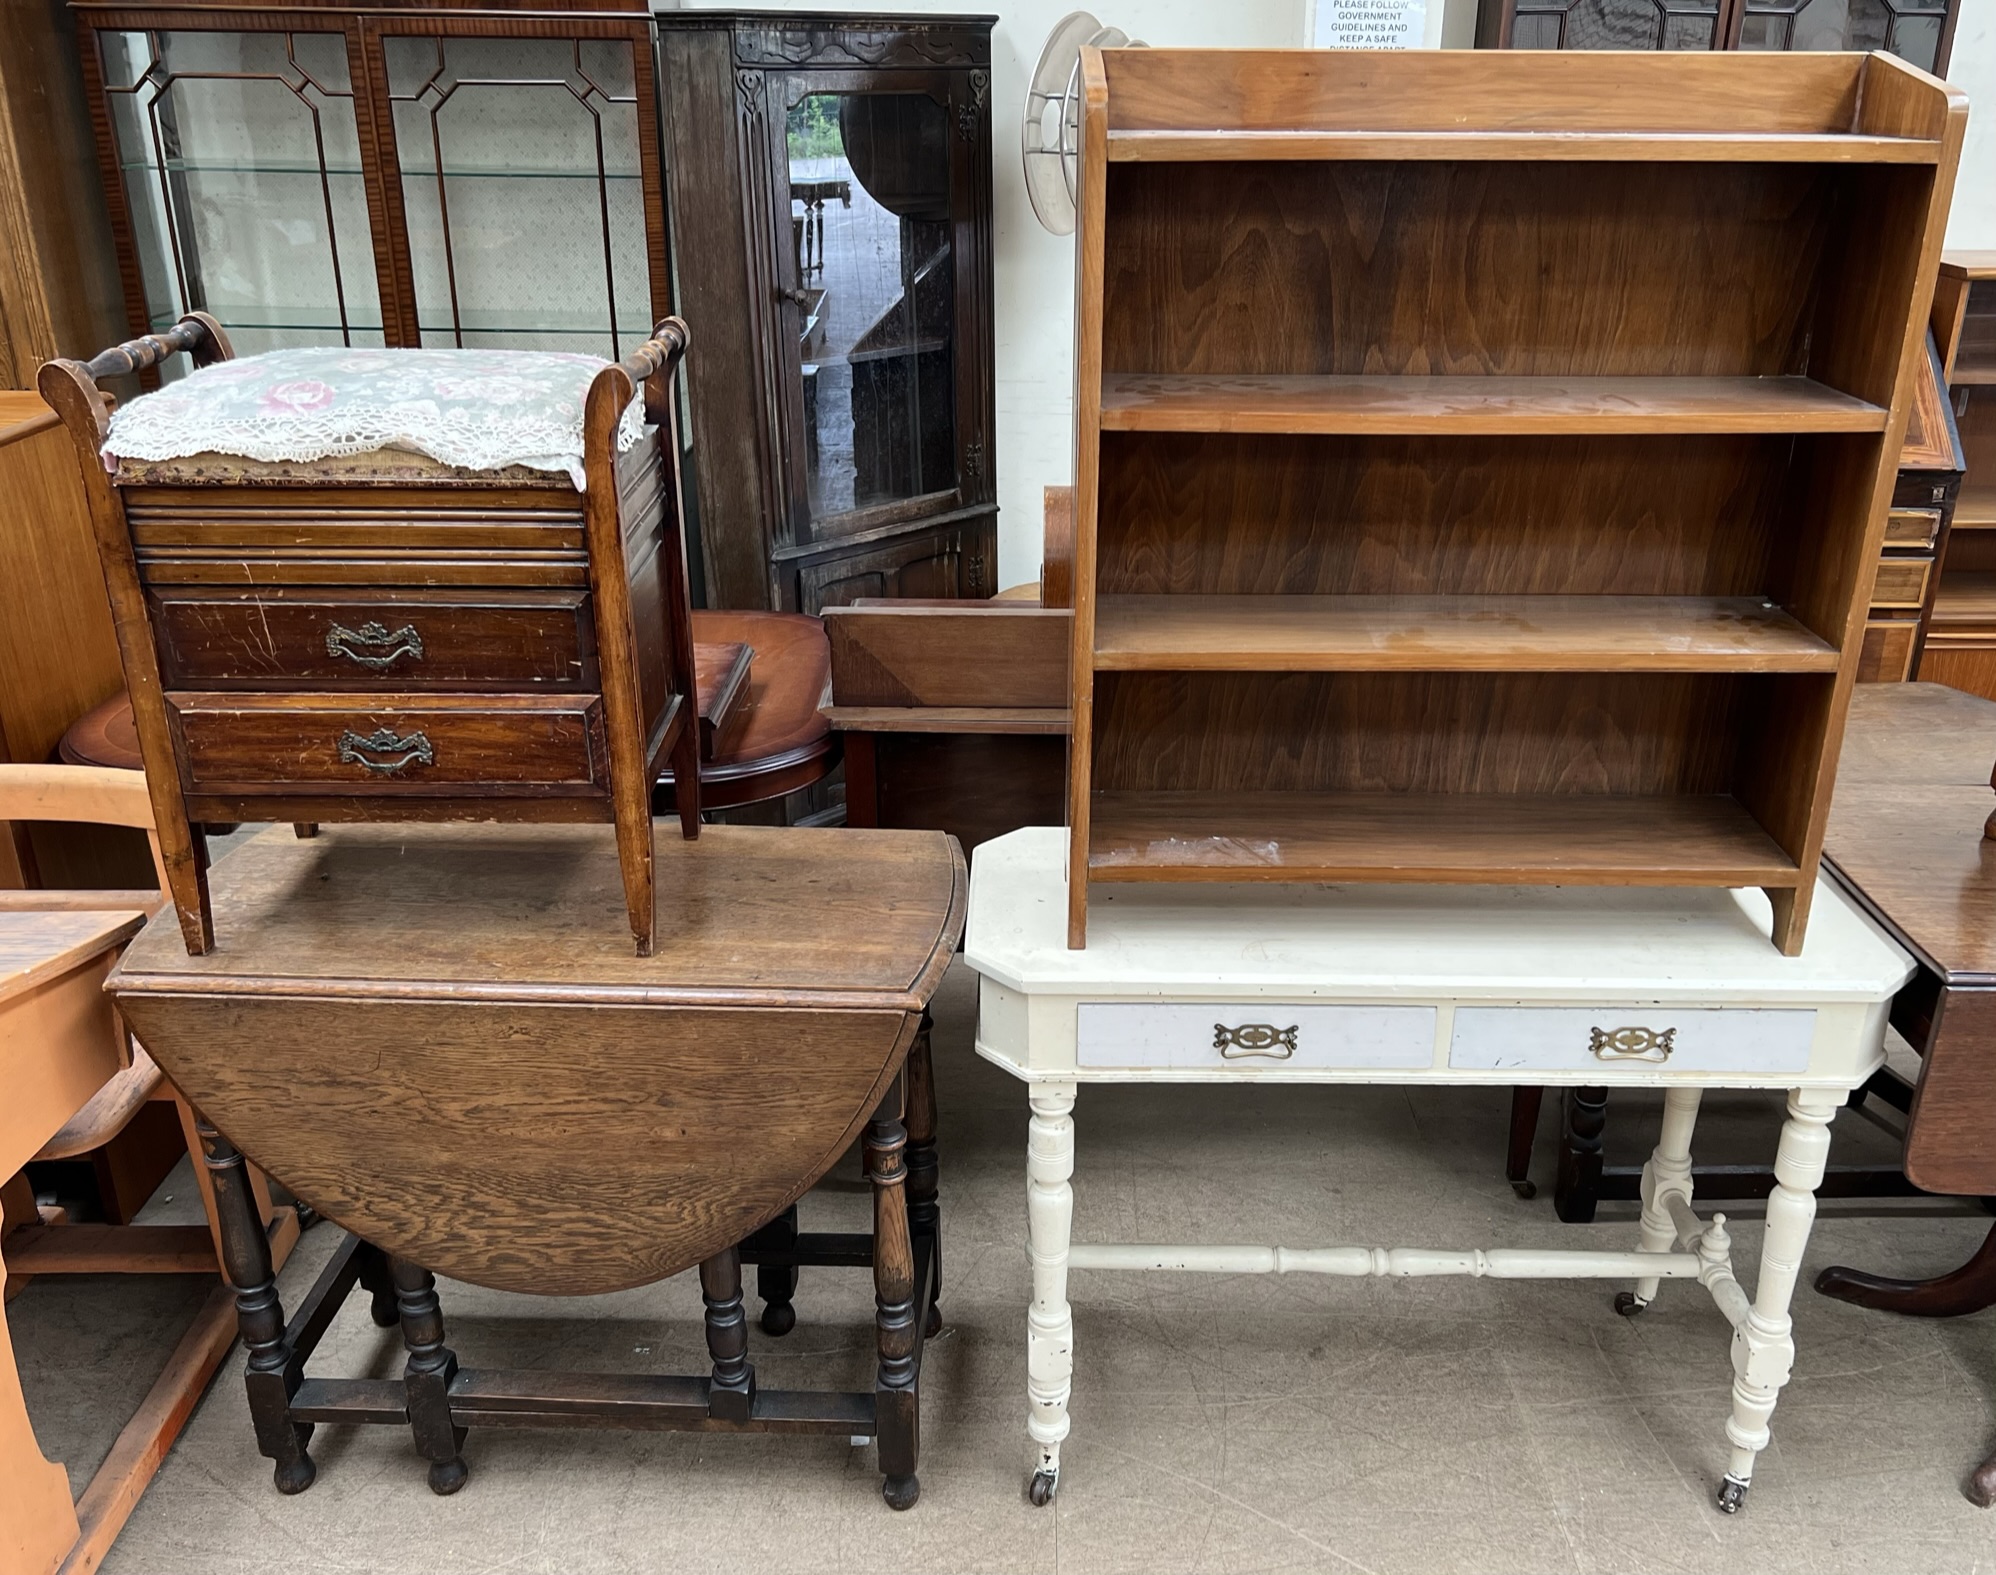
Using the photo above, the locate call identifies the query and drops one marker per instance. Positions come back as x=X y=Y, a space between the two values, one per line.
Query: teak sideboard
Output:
x=1482 y=458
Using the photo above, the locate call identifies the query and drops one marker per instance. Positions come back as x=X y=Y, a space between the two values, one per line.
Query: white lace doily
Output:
x=471 y=409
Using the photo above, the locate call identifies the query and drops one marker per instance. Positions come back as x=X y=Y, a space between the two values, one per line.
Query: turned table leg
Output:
x=776 y=1283
x=731 y=1388
x=275 y=1369
x=427 y=1378
x=1050 y=1320
x=1667 y=1174
x=1577 y=1190
x=896 y=1398
x=380 y=1286
x=924 y=1170
x=1764 y=1342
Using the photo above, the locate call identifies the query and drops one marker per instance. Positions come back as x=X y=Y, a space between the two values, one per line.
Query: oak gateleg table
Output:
x=1232 y=984
x=440 y=1039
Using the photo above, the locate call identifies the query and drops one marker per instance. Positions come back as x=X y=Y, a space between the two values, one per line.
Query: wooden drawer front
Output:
x=1902 y=582
x=373 y=640
x=1612 y=1040
x=1887 y=654
x=315 y=570
x=404 y=744
x=1912 y=527
x=1253 y=1034
x=342 y=525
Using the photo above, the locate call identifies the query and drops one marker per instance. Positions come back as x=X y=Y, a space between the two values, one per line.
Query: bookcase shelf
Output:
x=1546 y=634
x=1576 y=839
x=1331 y=405
x=1482 y=458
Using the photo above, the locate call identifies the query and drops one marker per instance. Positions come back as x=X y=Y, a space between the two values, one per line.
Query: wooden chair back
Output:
x=95 y=795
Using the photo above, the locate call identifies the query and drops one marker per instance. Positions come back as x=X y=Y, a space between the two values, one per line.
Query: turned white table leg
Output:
x=1764 y=1341
x=1049 y=1321
x=1667 y=1172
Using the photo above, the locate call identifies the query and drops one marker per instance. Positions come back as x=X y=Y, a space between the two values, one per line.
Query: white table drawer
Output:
x=1608 y=1039
x=1252 y=1034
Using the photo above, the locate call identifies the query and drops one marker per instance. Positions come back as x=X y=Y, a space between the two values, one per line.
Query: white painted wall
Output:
x=1035 y=270
x=1972 y=68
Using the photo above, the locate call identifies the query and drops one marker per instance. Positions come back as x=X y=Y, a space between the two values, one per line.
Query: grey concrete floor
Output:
x=1220 y=1424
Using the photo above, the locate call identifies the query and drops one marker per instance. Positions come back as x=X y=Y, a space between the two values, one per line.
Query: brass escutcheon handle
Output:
x=1632 y=1044
x=412 y=750
x=1254 y=1039
x=385 y=647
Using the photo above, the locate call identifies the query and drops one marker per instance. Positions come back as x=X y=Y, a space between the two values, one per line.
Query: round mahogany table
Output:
x=783 y=743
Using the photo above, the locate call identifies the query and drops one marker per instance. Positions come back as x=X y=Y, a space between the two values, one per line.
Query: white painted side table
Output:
x=1678 y=989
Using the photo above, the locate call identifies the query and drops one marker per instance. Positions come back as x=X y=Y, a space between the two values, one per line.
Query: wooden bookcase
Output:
x=1482 y=459
x=1961 y=638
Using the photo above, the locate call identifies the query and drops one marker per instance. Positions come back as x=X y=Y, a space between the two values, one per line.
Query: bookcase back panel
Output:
x=1530 y=733
x=1244 y=515
x=1460 y=268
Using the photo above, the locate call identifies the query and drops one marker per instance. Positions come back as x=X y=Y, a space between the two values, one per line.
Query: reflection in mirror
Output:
x=871 y=232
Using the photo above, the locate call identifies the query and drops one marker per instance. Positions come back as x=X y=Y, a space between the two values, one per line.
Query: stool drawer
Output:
x=387 y=639
x=413 y=745
x=1608 y=1040
x=1252 y=1034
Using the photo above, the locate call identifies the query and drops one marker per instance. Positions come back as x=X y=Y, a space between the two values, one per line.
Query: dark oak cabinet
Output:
x=828 y=188
x=1918 y=31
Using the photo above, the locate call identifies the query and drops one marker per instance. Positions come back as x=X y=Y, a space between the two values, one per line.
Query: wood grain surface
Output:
x=440 y=1039
x=1497 y=633
x=1906 y=837
x=1562 y=734
x=1140 y=402
x=1245 y=515
x=1452 y=269
x=355 y=911
x=1681 y=840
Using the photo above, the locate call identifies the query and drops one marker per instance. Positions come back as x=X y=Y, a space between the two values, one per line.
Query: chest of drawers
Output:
x=383 y=637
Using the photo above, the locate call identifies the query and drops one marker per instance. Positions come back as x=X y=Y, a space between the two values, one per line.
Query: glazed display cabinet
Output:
x=437 y=177
x=829 y=186
x=1918 y=31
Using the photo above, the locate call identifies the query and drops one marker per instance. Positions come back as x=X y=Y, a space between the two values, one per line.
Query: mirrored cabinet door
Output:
x=869 y=246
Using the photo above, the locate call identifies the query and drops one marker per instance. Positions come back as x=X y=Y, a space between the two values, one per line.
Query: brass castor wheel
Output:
x=778 y=1318
x=447 y=1476
x=1732 y=1495
x=901 y=1492
x=1628 y=1303
x=1041 y=1489
x=294 y=1476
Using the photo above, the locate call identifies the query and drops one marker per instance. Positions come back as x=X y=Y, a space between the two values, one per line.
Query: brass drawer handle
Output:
x=1254 y=1039
x=387 y=647
x=413 y=750
x=1632 y=1044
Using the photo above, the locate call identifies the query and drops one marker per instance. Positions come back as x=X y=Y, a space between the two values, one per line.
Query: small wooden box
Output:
x=383 y=637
